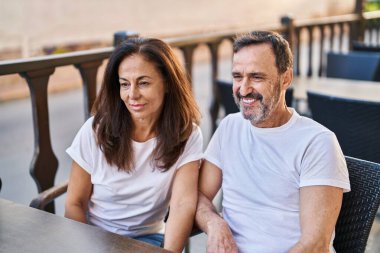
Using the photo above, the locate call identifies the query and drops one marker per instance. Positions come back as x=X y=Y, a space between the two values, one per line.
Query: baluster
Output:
x=298 y=38
x=341 y=36
x=371 y=36
x=215 y=99
x=188 y=56
x=88 y=72
x=321 y=52
x=310 y=31
x=332 y=35
x=44 y=164
x=352 y=34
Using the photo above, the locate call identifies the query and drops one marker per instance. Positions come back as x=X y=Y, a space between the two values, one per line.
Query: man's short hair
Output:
x=281 y=48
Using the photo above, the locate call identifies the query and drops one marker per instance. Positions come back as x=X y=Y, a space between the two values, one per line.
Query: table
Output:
x=346 y=88
x=336 y=87
x=25 y=229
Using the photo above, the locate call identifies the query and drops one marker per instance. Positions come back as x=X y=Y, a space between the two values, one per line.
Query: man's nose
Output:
x=245 y=88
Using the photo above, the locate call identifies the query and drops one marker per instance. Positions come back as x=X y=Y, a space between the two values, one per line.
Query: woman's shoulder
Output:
x=196 y=130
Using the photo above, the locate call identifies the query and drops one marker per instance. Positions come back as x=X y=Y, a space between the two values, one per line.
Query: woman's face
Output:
x=141 y=88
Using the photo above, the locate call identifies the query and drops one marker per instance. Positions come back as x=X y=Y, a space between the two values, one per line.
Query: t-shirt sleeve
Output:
x=194 y=148
x=81 y=148
x=324 y=163
x=213 y=151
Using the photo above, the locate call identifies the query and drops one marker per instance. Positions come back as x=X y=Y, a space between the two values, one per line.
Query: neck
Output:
x=143 y=130
x=277 y=118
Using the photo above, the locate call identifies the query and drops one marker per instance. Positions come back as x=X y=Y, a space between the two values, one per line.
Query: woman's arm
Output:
x=78 y=194
x=183 y=204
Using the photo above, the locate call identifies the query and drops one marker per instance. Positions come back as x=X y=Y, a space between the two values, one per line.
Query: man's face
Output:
x=257 y=84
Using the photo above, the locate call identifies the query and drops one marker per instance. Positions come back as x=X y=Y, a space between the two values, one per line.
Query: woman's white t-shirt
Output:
x=129 y=204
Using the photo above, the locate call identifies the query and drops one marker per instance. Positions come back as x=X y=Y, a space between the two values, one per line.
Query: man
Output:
x=282 y=175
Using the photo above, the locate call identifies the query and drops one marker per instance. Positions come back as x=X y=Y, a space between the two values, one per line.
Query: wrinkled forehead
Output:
x=254 y=56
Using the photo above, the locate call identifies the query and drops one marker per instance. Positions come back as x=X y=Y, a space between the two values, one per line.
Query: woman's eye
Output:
x=143 y=84
x=125 y=85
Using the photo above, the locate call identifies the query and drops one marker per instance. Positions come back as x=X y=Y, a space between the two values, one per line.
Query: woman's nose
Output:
x=134 y=92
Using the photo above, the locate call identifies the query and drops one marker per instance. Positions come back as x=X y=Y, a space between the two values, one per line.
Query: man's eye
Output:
x=257 y=78
x=237 y=78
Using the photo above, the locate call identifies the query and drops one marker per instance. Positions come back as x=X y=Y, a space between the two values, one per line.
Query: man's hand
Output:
x=219 y=235
x=220 y=239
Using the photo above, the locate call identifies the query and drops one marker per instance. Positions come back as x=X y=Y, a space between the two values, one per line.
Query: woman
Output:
x=141 y=150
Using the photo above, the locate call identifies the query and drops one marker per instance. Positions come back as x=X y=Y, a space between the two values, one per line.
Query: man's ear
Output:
x=287 y=78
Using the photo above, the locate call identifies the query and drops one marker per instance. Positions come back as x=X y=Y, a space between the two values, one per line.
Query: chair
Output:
x=356 y=123
x=354 y=65
x=227 y=100
x=361 y=46
x=49 y=195
x=359 y=206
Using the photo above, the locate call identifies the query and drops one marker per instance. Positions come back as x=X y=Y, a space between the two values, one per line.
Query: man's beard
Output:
x=261 y=112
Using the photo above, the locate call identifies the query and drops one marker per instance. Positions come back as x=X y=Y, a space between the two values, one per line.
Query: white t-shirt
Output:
x=129 y=204
x=263 y=171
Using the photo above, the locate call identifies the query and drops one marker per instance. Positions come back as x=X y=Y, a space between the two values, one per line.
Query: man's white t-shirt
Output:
x=263 y=171
x=129 y=204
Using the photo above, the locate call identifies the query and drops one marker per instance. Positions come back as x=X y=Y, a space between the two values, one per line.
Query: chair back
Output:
x=226 y=97
x=227 y=100
x=366 y=47
x=356 y=123
x=354 y=65
x=359 y=206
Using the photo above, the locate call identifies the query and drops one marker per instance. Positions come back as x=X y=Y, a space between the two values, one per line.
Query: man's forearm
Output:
x=206 y=213
x=219 y=235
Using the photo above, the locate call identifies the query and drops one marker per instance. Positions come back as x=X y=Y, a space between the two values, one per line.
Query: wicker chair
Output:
x=356 y=123
x=359 y=207
x=227 y=100
x=354 y=65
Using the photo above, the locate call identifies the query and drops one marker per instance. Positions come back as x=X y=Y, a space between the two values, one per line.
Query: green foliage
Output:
x=372 y=5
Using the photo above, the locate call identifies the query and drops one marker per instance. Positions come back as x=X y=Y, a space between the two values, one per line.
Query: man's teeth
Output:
x=248 y=100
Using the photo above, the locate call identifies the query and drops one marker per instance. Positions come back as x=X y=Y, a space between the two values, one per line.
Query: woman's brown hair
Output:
x=113 y=123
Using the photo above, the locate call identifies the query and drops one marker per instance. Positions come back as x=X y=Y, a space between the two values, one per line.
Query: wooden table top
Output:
x=25 y=229
x=346 y=88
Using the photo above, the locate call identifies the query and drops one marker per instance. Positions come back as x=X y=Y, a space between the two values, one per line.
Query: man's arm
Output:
x=319 y=210
x=219 y=236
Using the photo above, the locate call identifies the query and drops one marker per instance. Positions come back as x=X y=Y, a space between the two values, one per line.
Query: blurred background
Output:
x=30 y=28
x=35 y=27
x=39 y=27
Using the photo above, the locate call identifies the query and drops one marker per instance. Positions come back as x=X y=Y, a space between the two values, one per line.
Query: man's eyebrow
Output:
x=257 y=74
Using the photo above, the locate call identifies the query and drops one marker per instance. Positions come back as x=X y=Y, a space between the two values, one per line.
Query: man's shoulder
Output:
x=232 y=119
x=313 y=134
x=312 y=126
